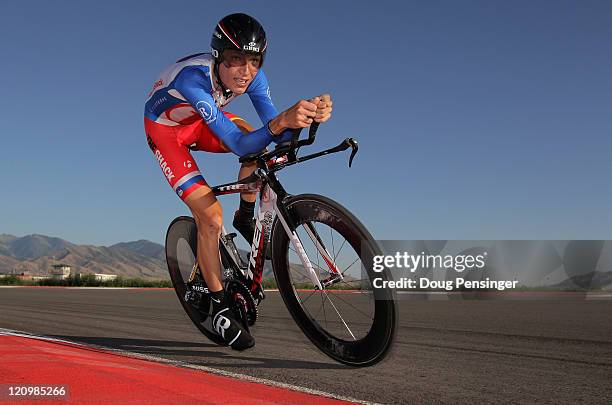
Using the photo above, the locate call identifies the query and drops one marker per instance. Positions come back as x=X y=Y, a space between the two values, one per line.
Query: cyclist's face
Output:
x=238 y=70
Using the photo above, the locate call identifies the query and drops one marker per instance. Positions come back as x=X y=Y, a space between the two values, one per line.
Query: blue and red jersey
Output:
x=188 y=91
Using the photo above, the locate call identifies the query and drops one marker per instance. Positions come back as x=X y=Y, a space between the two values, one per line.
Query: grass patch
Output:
x=87 y=280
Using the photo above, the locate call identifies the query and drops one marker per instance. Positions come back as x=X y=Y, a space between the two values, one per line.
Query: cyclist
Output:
x=185 y=110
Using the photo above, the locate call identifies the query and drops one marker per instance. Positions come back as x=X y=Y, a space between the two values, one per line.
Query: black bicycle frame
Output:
x=272 y=197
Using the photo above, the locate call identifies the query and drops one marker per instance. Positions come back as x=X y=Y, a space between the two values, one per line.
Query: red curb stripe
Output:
x=99 y=377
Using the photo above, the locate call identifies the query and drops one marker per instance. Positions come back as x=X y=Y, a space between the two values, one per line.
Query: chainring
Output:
x=239 y=296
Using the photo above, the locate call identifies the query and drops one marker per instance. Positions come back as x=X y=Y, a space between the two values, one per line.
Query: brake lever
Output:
x=355 y=146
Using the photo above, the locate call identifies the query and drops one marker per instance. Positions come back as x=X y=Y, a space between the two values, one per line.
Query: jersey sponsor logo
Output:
x=157 y=84
x=164 y=166
x=206 y=111
x=232 y=187
x=252 y=46
x=151 y=143
x=157 y=103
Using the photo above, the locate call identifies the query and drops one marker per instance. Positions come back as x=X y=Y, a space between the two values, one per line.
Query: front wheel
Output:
x=348 y=319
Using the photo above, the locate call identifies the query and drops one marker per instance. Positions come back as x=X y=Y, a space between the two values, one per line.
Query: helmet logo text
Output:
x=252 y=46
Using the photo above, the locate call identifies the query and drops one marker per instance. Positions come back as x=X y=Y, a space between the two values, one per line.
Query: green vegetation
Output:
x=87 y=280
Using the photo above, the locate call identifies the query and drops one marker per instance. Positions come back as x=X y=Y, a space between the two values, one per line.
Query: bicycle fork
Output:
x=269 y=204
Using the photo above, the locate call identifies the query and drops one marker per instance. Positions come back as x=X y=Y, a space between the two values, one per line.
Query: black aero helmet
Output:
x=240 y=32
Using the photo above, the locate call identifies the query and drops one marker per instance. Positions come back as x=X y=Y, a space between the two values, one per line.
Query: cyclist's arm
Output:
x=259 y=92
x=191 y=83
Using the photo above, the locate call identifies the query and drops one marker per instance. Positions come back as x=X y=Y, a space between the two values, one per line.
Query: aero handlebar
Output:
x=291 y=148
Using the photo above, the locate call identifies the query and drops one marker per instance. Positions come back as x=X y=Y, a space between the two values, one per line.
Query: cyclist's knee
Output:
x=209 y=220
x=206 y=211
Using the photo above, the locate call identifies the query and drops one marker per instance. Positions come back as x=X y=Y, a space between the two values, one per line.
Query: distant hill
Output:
x=143 y=247
x=32 y=247
x=37 y=254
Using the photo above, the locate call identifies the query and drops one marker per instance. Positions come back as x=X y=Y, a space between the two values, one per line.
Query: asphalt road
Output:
x=534 y=351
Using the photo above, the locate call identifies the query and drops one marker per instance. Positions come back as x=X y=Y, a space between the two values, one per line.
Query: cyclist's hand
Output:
x=301 y=114
x=324 y=108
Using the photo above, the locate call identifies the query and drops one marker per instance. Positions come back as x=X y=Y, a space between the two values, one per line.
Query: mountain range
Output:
x=36 y=255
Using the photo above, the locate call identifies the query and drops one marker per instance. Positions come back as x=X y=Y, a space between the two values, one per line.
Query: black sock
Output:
x=246 y=210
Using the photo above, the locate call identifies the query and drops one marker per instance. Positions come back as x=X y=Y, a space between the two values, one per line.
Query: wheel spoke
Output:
x=339 y=250
x=323 y=307
x=319 y=311
x=353 y=306
x=354 y=281
x=314 y=265
x=307 y=277
x=351 y=265
x=321 y=268
x=332 y=240
x=352 y=318
x=340 y=316
x=314 y=242
x=309 y=295
x=318 y=255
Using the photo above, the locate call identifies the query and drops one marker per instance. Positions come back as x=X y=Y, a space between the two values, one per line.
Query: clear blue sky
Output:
x=476 y=119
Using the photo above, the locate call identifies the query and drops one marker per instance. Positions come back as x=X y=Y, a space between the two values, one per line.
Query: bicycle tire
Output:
x=184 y=228
x=376 y=343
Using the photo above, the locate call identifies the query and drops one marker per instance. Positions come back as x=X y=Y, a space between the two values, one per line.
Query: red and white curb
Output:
x=178 y=381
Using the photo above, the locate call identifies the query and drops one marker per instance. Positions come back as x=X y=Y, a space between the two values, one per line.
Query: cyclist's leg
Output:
x=208 y=215
x=183 y=174
x=184 y=177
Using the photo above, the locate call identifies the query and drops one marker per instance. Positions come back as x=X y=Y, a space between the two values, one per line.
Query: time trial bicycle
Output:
x=321 y=258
